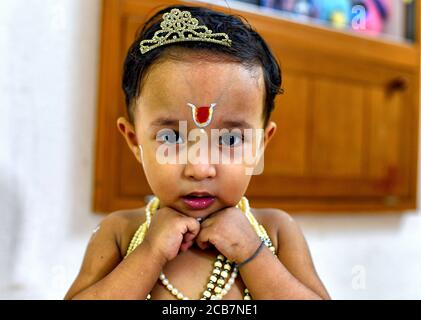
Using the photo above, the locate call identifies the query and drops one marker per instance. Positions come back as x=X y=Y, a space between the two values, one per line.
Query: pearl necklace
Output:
x=218 y=285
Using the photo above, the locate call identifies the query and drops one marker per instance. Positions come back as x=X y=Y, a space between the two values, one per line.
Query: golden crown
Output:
x=179 y=26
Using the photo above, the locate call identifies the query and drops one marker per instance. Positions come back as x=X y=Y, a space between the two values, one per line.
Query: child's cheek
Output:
x=164 y=180
x=232 y=180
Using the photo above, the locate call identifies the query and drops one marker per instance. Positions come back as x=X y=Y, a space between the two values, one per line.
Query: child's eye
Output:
x=231 y=140
x=169 y=136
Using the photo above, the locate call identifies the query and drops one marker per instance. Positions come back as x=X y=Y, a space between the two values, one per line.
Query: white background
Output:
x=48 y=86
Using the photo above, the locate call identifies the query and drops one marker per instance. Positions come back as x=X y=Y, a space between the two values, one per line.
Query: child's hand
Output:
x=169 y=232
x=231 y=233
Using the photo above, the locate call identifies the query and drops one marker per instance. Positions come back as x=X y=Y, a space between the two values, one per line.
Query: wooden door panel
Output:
x=336 y=138
x=389 y=138
x=286 y=154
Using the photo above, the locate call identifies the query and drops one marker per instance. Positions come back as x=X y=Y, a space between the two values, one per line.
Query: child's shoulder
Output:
x=271 y=214
x=124 y=224
x=279 y=225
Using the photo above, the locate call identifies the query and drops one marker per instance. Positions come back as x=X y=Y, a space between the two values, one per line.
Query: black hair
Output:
x=248 y=48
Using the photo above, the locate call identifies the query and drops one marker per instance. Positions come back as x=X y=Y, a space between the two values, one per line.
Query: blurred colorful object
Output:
x=337 y=12
x=303 y=7
x=377 y=14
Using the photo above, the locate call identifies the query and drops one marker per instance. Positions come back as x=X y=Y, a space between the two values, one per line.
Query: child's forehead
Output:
x=173 y=83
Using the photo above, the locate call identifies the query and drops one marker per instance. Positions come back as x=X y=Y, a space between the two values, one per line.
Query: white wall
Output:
x=48 y=74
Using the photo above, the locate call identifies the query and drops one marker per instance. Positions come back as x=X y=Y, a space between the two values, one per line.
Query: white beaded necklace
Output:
x=218 y=285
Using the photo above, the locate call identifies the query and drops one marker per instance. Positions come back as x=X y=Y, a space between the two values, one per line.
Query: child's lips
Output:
x=198 y=203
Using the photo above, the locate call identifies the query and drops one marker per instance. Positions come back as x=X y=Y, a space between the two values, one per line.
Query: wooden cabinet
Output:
x=347 y=136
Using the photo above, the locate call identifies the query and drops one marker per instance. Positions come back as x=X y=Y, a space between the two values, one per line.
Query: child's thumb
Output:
x=193 y=228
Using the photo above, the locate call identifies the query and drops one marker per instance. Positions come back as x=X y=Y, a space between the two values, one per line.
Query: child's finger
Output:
x=202 y=239
x=186 y=245
x=189 y=237
x=202 y=245
x=193 y=227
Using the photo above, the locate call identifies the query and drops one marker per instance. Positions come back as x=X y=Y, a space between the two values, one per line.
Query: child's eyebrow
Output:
x=162 y=122
x=236 y=124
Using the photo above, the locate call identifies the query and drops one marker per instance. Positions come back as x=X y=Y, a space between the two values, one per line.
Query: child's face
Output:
x=168 y=88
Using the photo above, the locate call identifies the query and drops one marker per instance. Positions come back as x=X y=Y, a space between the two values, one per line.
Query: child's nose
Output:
x=199 y=171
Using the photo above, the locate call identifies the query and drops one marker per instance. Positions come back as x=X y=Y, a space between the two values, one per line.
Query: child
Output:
x=223 y=76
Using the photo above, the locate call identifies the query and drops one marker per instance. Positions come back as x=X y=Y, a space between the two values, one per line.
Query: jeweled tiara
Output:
x=180 y=26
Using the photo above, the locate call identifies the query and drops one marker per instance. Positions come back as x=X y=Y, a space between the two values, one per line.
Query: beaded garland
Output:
x=224 y=272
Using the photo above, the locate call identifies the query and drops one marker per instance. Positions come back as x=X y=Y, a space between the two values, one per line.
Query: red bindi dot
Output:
x=202 y=114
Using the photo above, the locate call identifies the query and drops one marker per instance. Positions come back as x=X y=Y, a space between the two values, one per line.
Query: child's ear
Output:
x=269 y=132
x=129 y=134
